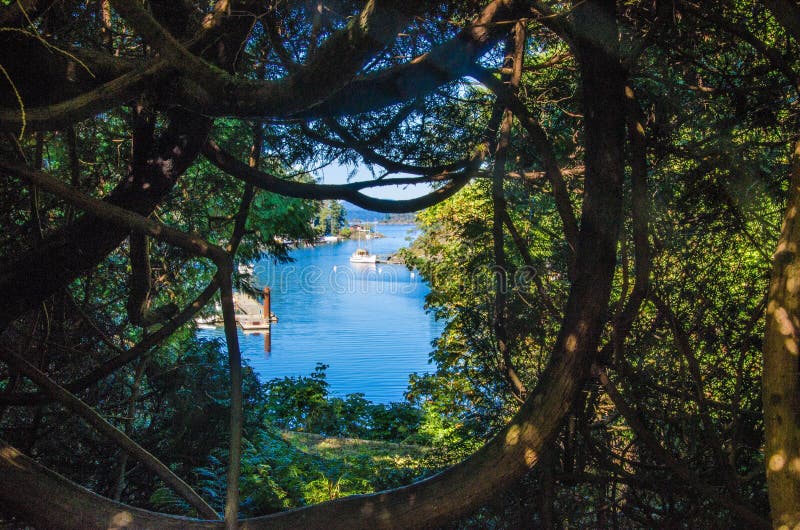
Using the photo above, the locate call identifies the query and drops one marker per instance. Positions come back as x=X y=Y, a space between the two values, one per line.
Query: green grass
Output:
x=382 y=453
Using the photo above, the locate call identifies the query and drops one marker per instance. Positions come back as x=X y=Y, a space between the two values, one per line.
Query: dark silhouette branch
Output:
x=640 y=215
x=334 y=64
x=326 y=86
x=144 y=348
x=649 y=440
x=510 y=454
x=140 y=292
x=348 y=192
x=349 y=141
x=108 y=95
x=198 y=247
x=542 y=145
x=30 y=277
x=446 y=62
x=98 y=422
x=119 y=216
x=515 y=50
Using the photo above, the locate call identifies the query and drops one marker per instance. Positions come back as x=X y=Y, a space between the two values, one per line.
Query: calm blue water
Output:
x=366 y=322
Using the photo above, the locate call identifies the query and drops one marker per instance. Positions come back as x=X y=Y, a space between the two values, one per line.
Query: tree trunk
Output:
x=781 y=378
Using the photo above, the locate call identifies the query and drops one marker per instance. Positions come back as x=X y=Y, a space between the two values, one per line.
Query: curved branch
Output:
x=142 y=349
x=543 y=146
x=335 y=63
x=27 y=279
x=347 y=192
x=515 y=53
x=89 y=509
x=111 y=94
x=510 y=454
x=348 y=141
x=199 y=247
x=140 y=291
x=444 y=63
x=640 y=218
x=147 y=345
x=98 y=422
x=237 y=412
x=371 y=157
x=270 y=26
x=138 y=305
x=324 y=87
x=120 y=216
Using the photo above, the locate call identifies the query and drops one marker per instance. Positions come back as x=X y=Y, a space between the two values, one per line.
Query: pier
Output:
x=391 y=259
x=249 y=313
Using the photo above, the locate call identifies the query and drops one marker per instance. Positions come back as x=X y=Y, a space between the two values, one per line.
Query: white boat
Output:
x=362 y=255
x=209 y=322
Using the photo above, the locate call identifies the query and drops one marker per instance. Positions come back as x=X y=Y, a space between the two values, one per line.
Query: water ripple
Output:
x=366 y=323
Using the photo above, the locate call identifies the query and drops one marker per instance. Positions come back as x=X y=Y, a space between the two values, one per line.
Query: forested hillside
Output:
x=609 y=225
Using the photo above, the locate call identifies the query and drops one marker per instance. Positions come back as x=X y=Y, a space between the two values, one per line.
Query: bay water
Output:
x=366 y=322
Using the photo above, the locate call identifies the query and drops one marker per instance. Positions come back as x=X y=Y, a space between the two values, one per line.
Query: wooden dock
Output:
x=249 y=313
x=392 y=259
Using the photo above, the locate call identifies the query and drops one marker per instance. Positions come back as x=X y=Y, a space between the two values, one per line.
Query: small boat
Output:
x=209 y=322
x=362 y=255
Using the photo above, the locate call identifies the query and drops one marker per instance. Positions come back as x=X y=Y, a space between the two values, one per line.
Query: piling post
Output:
x=266 y=310
x=268 y=319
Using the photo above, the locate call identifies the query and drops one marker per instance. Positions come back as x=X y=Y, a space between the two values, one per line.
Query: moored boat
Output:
x=362 y=255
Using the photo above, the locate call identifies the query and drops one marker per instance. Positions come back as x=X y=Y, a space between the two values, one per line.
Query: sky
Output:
x=337 y=174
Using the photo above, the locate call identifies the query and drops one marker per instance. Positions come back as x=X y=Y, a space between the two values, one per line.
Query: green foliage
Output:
x=274 y=218
x=330 y=219
x=303 y=404
x=454 y=253
x=284 y=466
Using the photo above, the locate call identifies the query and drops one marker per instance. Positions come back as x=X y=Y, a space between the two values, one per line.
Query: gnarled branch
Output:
x=98 y=422
x=349 y=192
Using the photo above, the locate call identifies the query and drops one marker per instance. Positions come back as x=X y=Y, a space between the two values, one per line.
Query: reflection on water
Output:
x=365 y=321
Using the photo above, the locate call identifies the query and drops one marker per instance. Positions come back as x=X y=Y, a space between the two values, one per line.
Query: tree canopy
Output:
x=606 y=183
